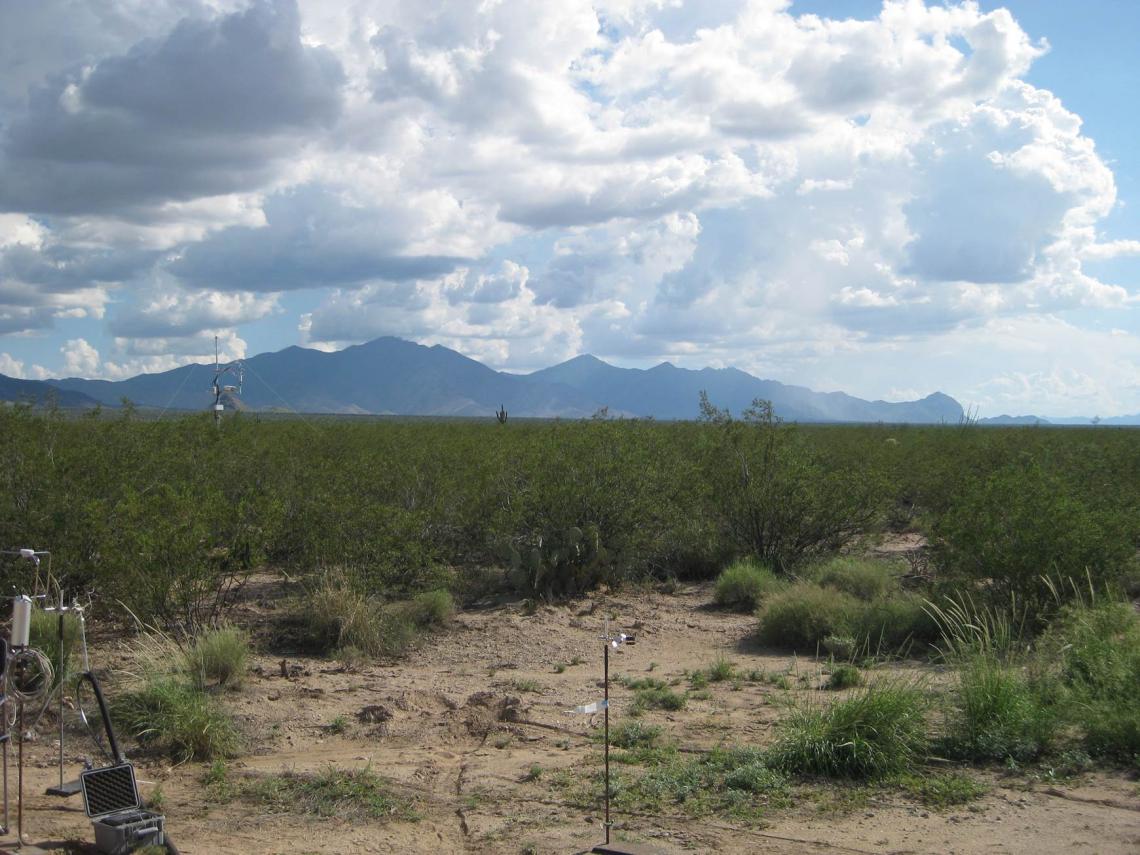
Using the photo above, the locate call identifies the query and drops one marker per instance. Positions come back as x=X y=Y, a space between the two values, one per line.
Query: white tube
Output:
x=21 y=621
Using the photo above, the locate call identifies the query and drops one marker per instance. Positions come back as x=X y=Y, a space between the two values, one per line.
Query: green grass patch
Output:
x=860 y=577
x=160 y=700
x=344 y=793
x=941 y=792
x=659 y=698
x=844 y=676
x=1000 y=714
x=800 y=617
x=724 y=782
x=743 y=585
x=167 y=713
x=220 y=656
x=880 y=731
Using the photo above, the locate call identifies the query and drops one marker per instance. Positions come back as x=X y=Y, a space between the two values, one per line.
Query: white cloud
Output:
x=715 y=183
x=80 y=359
x=11 y=366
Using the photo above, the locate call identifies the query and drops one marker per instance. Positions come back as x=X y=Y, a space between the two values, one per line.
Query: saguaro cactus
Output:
x=501 y=415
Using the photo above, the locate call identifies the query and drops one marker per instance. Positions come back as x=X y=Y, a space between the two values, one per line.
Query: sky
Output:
x=885 y=198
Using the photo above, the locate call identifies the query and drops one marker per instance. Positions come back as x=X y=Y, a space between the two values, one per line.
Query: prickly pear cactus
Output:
x=561 y=562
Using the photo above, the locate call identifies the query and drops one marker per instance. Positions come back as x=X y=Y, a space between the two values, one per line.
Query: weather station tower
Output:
x=234 y=368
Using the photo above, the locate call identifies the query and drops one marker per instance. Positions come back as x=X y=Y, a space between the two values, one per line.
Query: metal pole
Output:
x=606 y=682
x=20 y=780
x=62 y=665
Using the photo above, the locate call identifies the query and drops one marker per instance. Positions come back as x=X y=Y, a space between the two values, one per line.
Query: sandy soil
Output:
x=436 y=728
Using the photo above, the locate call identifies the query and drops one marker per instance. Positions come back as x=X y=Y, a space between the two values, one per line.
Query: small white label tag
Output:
x=596 y=706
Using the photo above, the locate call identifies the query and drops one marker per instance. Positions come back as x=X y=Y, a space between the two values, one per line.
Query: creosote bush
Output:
x=743 y=585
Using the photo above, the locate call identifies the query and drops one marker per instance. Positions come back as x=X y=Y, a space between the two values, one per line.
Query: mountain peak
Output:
x=390 y=375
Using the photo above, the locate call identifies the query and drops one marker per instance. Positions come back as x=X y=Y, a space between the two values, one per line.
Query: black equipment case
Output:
x=111 y=799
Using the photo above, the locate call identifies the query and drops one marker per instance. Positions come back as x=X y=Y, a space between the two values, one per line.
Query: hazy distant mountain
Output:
x=668 y=392
x=1013 y=420
x=385 y=376
x=40 y=393
x=393 y=376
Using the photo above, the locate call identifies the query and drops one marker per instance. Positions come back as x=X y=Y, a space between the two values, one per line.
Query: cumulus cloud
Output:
x=204 y=110
x=715 y=183
x=80 y=359
x=11 y=366
x=182 y=313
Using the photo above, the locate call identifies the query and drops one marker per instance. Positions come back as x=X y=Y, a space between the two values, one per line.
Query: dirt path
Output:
x=442 y=728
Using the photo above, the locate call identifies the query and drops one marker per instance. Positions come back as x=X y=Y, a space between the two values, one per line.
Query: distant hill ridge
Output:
x=393 y=376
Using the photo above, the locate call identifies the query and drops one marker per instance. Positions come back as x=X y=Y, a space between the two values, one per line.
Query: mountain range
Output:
x=391 y=376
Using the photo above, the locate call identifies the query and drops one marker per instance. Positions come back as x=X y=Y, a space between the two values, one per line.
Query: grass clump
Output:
x=432 y=608
x=844 y=676
x=895 y=624
x=658 y=698
x=1099 y=650
x=220 y=655
x=164 y=706
x=859 y=577
x=743 y=585
x=800 y=617
x=736 y=782
x=345 y=793
x=1002 y=713
x=167 y=713
x=635 y=734
x=940 y=792
x=43 y=635
x=337 y=616
x=881 y=731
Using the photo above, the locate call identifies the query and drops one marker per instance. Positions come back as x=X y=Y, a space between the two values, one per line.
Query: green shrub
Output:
x=1099 y=648
x=1099 y=651
x=743 y=585
x=844 y=677
x=432 y=608
x=895 y=624
x=803 y=615
x=1000 y=713
x=839 y=646
x=220 y=655
x=1112 y=731
x=1012 y=529
x=880 y=731
x=860 y=577
x=779 y=499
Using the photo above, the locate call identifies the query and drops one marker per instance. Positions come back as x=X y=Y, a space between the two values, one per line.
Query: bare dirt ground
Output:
x=441 y=726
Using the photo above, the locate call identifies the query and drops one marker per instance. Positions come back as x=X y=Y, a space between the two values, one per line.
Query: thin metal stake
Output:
x=20 y=781
x=606 y=681
x=60 y=688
